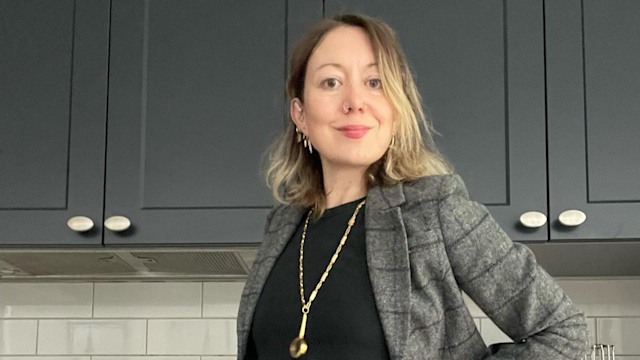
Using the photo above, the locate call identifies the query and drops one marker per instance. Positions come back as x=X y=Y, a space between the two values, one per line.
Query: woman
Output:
x=376 y=237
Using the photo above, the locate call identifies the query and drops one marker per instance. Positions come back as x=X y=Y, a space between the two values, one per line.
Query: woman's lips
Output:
x=354 y=131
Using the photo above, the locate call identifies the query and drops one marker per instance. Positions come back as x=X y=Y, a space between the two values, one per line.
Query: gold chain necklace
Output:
x=299 y=346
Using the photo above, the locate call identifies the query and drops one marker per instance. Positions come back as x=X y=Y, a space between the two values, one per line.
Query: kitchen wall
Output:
x=196 y=320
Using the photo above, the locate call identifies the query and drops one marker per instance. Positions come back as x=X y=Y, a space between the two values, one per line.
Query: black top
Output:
x=343 y=322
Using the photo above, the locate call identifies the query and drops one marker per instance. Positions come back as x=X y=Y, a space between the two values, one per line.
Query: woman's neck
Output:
x=344 y=186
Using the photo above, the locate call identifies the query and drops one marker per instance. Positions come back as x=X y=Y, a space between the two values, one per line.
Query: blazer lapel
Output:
x=388 y=262
x=281 y=228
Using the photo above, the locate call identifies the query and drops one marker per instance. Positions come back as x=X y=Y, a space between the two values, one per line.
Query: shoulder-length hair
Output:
x=295 y=175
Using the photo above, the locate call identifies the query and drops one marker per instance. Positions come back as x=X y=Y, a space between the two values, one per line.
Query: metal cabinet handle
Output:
x=572 y=217
x=80 y=223
x=117 y=223
x=533 y=219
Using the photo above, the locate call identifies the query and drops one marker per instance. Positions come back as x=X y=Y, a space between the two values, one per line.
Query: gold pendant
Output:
x=298 y=346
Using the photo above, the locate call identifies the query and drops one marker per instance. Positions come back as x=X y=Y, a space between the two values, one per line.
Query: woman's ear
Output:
x=297 y=106
x=297 y=113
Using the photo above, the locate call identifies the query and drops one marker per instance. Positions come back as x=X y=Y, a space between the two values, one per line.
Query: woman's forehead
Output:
x=340 y=46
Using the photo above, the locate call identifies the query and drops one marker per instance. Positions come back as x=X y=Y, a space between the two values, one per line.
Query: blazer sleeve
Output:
x=505 y=281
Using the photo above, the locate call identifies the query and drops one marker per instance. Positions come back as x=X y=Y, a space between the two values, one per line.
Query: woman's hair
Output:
x=295 y=176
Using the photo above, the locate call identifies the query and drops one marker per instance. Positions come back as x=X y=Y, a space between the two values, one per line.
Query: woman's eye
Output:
x=330 y=83
x=375 y=83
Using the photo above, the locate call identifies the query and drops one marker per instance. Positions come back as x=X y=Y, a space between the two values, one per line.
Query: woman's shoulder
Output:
x=434 y=188
x=282 y=215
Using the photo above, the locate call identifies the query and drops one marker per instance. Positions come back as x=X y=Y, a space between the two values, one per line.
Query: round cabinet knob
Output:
x=533 y=219
x=117 y=223
x=572 y=217
x=80 y=223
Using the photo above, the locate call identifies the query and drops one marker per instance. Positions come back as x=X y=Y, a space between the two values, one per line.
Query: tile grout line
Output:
x=93 y=300
x=146 y=338
x=37 y=335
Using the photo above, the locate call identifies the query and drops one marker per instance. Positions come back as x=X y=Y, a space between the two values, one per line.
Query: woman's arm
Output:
x=505 y=281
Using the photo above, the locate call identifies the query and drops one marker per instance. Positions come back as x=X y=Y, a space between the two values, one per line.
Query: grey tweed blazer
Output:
x=426 y=241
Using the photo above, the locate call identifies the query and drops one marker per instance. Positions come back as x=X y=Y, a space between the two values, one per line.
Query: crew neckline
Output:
x=350 y=206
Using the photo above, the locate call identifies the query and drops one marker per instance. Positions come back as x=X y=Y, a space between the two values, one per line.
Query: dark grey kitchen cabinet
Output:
x=479 y=66
x=195 y=96
x=53 y=87
x=537 y=103
x=593 y=102
x=157 y=111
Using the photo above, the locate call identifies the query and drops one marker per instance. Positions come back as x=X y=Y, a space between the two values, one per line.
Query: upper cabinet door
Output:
x=53 y=76
x=594 y=116
x=196 y=94
x=479 y=66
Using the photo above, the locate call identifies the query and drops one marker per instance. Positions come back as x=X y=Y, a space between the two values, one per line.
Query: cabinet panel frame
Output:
x=525 y=174
x=175 y=225
x=567 y=135
x=87 y=132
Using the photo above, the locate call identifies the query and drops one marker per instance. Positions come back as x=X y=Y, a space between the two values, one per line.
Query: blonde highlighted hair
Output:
x=295 y=176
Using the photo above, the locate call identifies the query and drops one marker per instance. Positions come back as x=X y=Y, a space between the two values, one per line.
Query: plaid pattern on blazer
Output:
x=426 y=241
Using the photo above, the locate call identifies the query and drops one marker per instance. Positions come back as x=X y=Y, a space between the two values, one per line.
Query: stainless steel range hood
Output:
x=148 y=264
x=572 y=259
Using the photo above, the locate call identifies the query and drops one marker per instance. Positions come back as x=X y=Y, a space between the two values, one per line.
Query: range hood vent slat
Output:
x=193 y=263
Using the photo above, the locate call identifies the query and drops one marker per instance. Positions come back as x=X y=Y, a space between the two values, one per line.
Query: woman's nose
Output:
x=353 y=100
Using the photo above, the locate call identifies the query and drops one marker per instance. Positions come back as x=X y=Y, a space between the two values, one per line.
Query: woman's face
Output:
x=346 y=114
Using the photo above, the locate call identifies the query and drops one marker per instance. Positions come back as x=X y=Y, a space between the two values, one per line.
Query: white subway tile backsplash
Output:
x=621 y=332
x=491 y=334
x=221 y=299
x=18 y=337
x=605 y=298
x=196 y=321
x=89 y=337
x=190 y=337
x=148 y=300
x=591 y=329
x=33 y=300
